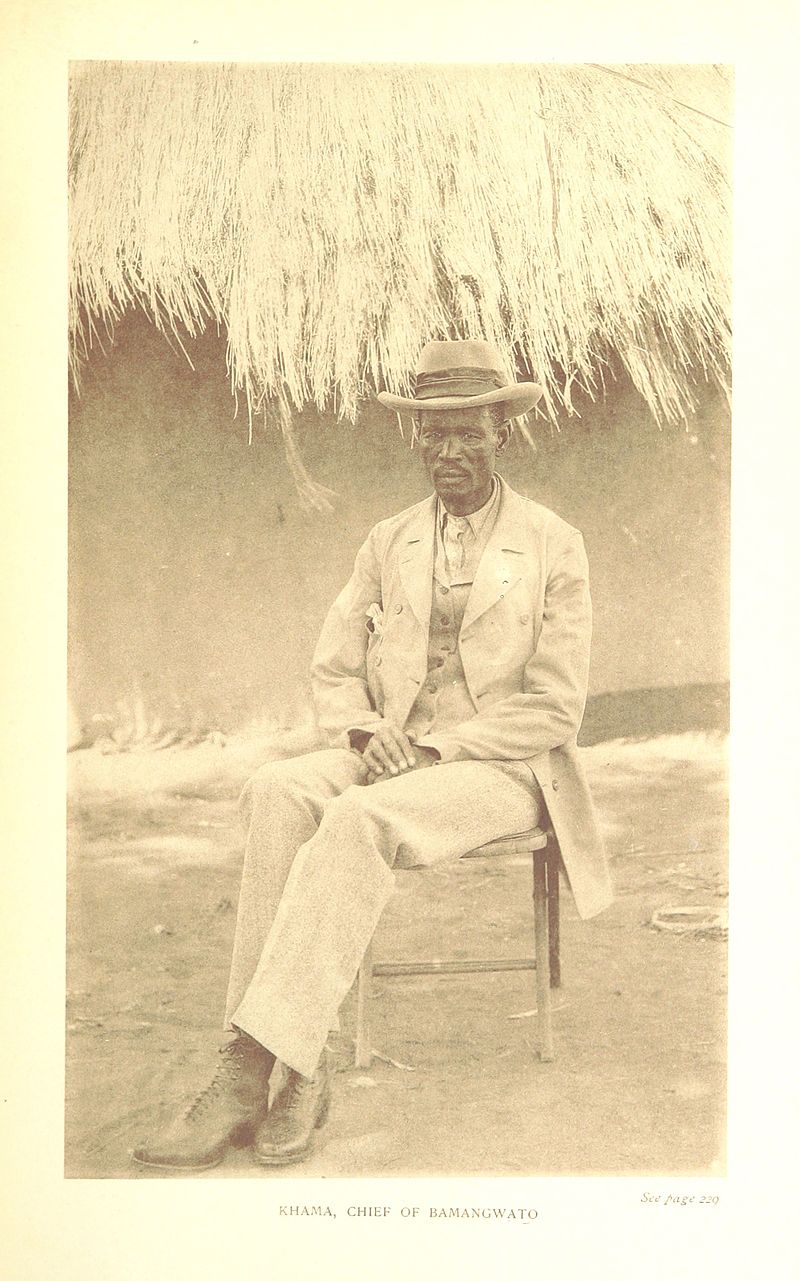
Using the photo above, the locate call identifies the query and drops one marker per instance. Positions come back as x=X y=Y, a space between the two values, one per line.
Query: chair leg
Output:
x=554 y=913
x=363 y=1012
x=540 y=913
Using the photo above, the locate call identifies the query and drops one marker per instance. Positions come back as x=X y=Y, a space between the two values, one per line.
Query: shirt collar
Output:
x=477 y=519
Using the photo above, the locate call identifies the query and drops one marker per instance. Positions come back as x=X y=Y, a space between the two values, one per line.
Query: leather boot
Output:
x=228 y=1109
x=301 y=1107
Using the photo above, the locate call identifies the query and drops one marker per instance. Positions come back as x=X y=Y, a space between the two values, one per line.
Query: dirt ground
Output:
x=638 y=1083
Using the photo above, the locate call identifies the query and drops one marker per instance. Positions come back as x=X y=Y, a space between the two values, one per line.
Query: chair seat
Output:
x=518 y=843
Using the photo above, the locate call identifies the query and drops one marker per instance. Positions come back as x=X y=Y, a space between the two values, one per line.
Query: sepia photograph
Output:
x=398 y=661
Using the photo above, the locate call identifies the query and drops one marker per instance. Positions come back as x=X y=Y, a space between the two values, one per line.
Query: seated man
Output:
x=451 y=676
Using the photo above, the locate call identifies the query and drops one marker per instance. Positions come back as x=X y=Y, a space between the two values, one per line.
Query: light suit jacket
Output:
x=524 y=645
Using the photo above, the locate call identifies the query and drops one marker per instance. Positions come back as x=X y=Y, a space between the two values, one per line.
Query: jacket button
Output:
x=525 y=619
x=555 y=785
x=444 y=590
x=378 y=661
x=398 y=609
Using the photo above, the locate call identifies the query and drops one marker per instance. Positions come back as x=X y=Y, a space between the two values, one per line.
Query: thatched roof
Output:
x=332 y=218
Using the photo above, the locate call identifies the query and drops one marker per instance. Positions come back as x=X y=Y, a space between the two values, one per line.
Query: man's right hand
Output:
x=389 y=751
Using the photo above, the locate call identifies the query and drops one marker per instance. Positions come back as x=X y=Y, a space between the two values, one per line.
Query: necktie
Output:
x=457 y=532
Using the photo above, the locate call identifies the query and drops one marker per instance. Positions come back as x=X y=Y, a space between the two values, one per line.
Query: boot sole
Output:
x=176 y=1169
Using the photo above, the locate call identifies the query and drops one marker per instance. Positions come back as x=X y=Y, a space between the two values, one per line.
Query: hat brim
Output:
x=519 y=397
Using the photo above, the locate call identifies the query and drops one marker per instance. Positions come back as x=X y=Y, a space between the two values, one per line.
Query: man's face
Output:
x=459 y=449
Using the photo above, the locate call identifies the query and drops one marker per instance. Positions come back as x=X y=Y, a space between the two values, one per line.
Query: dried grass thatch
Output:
x=332 y=218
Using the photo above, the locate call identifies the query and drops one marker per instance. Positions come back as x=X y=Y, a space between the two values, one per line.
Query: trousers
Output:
x=319 y=869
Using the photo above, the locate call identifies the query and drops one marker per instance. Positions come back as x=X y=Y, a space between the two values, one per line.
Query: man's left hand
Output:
x=423 y=758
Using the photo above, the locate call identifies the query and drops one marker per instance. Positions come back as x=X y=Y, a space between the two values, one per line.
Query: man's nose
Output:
x=451 y=447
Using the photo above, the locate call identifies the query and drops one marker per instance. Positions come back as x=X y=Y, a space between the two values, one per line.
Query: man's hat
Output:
x=460 y=375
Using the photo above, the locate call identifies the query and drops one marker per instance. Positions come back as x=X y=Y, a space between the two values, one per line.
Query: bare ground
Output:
x=639 y=1077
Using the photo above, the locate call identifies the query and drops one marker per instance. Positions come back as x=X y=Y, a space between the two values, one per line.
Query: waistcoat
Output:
x=444 y=699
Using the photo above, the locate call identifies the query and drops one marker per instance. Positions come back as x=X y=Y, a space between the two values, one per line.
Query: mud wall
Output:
x=198 y=583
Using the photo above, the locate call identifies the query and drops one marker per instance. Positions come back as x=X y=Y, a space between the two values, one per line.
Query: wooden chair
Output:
x=542 y=846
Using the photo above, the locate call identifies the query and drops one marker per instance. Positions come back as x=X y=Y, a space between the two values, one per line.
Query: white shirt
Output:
x=461 y=536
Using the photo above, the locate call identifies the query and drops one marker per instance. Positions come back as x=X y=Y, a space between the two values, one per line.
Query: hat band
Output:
x=458 y=382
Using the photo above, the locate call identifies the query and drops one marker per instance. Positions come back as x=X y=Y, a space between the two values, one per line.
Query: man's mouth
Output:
x=449 y=474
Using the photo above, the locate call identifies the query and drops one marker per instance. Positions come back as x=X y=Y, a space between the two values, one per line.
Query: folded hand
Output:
x=390 y=753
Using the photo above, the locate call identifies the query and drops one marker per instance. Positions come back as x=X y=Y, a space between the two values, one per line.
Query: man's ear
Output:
x=503 y=436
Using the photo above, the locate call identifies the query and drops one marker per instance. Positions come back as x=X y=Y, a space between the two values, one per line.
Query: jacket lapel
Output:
x=502 y=561
x=416 y=564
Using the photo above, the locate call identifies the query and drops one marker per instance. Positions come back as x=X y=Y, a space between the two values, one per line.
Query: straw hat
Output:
x=460 y=375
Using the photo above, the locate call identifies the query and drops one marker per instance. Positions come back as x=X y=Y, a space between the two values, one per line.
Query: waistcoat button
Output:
x=398 y=609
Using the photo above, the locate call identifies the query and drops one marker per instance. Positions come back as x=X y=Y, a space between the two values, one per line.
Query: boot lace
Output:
x=298 y=1088
x=227 y=1073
